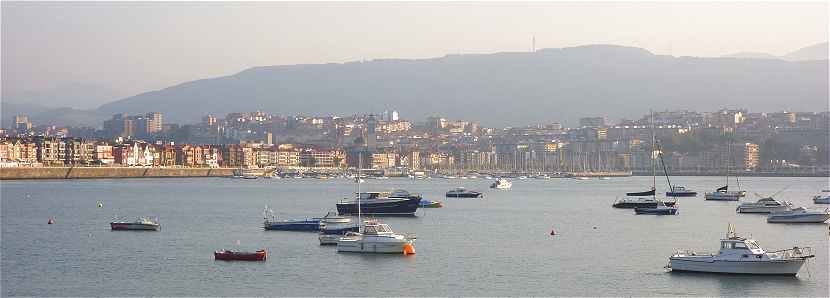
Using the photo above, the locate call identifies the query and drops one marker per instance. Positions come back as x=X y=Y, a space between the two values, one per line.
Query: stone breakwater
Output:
x=109 y=172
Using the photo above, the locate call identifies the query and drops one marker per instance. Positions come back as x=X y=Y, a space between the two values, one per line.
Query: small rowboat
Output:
x=231 y=255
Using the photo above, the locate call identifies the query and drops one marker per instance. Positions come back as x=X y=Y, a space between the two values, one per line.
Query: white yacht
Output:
x=740 y=255
x=823 y=198
x=800 y=215
x=502 y=184
x=376 y=238
x=764 y=205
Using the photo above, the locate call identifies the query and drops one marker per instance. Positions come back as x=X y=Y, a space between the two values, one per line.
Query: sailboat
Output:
x=374 y=236
x=645 y=199
x=723 y=193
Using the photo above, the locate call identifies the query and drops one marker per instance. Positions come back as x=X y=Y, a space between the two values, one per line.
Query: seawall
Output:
x=108 y=172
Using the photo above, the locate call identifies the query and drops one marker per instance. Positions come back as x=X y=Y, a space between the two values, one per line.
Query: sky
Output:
x=83 y=54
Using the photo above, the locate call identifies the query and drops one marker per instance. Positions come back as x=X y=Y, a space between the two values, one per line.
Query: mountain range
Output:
x=500 y=89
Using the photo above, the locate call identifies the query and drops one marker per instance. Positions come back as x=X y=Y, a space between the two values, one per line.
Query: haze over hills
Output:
x=814 y=52
x=502 y=89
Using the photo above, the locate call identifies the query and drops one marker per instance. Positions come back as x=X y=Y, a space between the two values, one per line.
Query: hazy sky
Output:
x=121 y=49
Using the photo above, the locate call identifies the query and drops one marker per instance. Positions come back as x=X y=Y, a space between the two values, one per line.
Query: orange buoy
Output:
x=408 y=249
x=51 y=221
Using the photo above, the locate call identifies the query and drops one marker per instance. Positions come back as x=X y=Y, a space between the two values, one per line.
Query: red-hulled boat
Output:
x=231 y=255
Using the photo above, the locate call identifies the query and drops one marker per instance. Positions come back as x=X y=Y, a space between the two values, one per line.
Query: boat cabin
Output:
x=377 y=229
x=740 y=246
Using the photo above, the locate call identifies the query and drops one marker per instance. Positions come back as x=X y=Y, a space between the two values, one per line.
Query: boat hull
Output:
x=633 y=205
x=708 y=265
x=753 y=209
x=681 y=194
x=293 y=226
x=821 y=200
x=465 y=195
x=389 y=207
x=722 y=196
x=801 y=218
x=363 y=246
x=133 y=227
x=240 y=256
x=655 y=211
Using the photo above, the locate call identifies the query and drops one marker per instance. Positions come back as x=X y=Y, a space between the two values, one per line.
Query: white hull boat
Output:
x=739 y=255
x=376 y=238
x=799 y=215
x=764 y=205
x=502 y=184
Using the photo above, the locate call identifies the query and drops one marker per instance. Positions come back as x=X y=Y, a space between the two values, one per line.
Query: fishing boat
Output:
x=399 y=202
x=502 y=183
x=271 y=223
x=376 y=237
x=661 y=209
x=823 y=198
x=764 y=205
x=738 y=255
x=681 y=191
x=799 y=215
x=232 y=255
x=140 y=224
x=460 y=192
x=430 y=204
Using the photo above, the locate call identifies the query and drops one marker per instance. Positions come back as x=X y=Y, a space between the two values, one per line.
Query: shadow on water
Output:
x=735 y=285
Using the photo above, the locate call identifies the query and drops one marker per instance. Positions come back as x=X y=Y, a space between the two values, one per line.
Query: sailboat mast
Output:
x=359 y=166
x=651 y=157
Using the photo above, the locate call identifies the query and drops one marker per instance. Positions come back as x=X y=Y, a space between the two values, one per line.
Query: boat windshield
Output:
x=752 y=244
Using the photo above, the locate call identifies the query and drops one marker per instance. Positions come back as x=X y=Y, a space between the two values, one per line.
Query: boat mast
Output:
x=359 y=166
x=651 y=157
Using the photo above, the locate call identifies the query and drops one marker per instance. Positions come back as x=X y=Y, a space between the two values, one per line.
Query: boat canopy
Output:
x=640 y=194
x=724 y=188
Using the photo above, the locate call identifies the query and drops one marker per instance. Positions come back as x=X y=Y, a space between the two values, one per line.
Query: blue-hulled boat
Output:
x=271 y=223
x=399 y=202
x=661 y=209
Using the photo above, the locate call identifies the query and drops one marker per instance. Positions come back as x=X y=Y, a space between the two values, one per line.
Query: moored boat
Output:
x=271 y=223
x=232 y=255
x=430 y=204
x=823 y=198
x=399 y=202
x=460 y=192
x=660 y=209
x=681 y=191
x=723 y=194
x=502 y=183
x=763 y=205
x=140 y=224
x=376 y=237
x=799 y=215
x=740 y=255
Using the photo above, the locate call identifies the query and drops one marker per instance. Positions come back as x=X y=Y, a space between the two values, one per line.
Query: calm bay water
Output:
x=496 y=246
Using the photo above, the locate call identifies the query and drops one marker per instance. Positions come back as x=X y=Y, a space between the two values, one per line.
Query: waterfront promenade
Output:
x=16 y=173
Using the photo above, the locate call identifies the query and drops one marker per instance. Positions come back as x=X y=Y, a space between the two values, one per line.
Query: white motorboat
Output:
x=502 y=183
x=376 y=238
x=764 y=205
x=823 y=198
x=800 y=215
x=740 y=255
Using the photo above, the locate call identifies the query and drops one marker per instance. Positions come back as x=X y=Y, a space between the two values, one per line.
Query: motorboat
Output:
x=723 y=194
x=764 y=205
x=460 y=192
x=140 y=224
x=661 y=209
x=799 y=215
x=582 y=178
x=430 y=204
x=502 y=183
x=399 y=202
x=232 y=255
x=681 y=191
x=376 y=237
x=738 y=255
x=823 y=198
x=272 y=223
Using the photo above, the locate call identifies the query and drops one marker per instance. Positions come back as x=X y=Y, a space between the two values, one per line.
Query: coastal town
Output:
x=691 y=143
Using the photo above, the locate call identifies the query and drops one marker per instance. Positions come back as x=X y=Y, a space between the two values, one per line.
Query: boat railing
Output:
x=689 y=252
x=795 y=253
